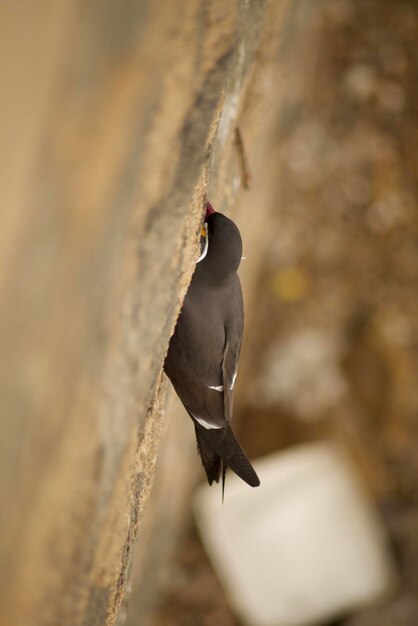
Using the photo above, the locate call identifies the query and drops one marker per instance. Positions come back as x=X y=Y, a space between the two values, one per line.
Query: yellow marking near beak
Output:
x=203 y=232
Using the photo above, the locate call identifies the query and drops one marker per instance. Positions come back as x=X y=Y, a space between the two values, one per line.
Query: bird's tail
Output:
x=210 y=460
x=219 y=449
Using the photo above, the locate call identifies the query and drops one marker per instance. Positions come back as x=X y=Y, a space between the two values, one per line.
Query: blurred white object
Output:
x=303 y=547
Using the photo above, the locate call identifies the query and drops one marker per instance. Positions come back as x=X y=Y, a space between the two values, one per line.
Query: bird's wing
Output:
x=206 y=393
x=233 y=337
x=202 y=365
x=229 y=374
x=197 y=379
x=214 y=408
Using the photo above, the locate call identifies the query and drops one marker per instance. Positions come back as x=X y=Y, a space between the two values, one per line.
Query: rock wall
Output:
x=117 y=120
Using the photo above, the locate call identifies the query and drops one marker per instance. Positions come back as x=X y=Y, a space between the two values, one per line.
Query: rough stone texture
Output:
x=116 y=120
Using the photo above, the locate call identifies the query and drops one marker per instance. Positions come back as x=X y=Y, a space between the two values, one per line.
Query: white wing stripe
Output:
x=205 y=424
x=233 y=381
x=216 y=388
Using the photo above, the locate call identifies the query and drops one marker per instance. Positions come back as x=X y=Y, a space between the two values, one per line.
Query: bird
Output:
x=204 y=349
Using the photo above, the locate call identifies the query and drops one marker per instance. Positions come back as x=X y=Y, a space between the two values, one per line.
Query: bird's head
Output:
x=221 y=246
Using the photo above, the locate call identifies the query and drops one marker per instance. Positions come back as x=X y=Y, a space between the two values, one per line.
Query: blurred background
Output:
x=297 y=118
x=331 y=337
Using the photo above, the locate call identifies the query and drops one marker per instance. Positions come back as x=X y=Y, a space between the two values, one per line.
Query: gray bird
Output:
x=203 y=352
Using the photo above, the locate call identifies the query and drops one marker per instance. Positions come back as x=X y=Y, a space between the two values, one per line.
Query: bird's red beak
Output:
x=209 y=209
